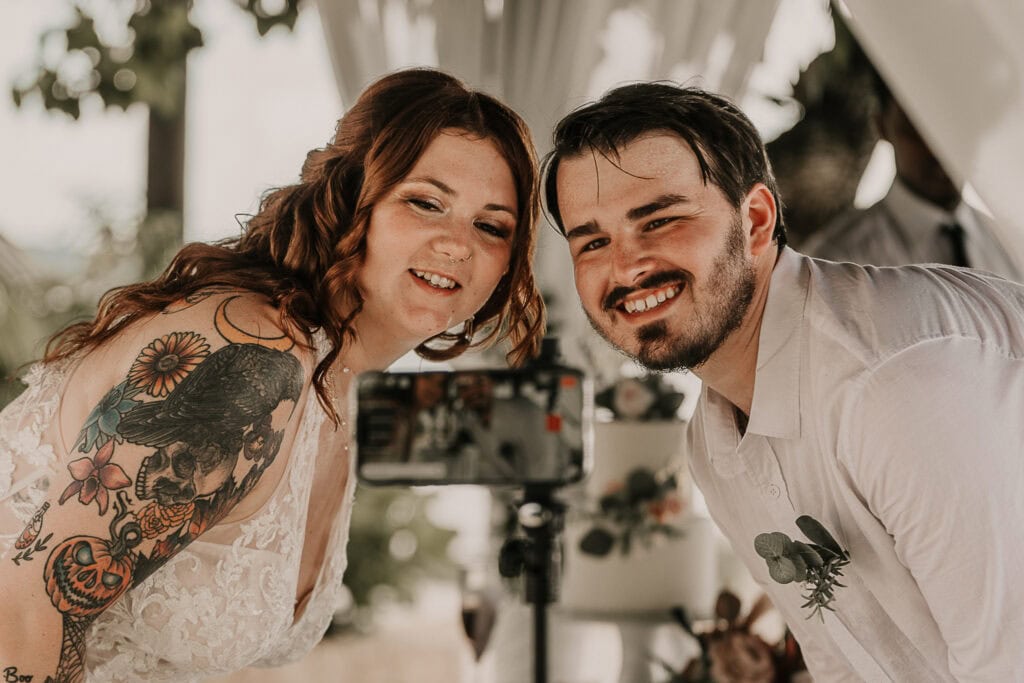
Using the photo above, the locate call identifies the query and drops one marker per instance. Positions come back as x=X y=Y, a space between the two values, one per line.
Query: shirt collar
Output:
x=775 y=409
x=917 y=216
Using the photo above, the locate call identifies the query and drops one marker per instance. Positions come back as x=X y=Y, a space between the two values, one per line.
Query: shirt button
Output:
x=772 y=491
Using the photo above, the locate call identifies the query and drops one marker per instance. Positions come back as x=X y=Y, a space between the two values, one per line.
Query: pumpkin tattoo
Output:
x=84 y=574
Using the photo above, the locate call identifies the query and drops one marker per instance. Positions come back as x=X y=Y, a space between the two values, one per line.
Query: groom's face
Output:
x=660 y=258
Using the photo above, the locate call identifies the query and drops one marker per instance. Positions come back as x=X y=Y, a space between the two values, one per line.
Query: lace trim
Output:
x=26 y=463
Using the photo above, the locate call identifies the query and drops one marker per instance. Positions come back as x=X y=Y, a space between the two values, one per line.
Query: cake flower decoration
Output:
x=638 y=508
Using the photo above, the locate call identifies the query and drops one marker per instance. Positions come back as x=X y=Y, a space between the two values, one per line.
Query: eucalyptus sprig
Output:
x=817 y=565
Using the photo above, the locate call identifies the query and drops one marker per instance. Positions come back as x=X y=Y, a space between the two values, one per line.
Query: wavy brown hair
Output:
x=304 y=248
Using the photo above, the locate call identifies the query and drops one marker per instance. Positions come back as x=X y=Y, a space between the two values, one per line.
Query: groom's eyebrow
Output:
x=585 y=230
x=662 y=202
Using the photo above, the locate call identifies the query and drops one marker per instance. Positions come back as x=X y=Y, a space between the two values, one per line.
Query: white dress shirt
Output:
x=888 y=405
x=902 y=228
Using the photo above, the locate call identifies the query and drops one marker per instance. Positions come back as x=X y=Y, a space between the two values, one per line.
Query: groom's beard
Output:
x=718 y=310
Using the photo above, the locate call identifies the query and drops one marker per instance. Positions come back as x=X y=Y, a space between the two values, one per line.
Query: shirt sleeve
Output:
x=940 y=459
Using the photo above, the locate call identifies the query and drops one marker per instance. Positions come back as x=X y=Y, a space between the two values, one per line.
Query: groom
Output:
x=882 y=407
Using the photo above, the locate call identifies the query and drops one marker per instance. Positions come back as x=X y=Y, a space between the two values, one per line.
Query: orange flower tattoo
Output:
x=155 y=519
x=166 y=361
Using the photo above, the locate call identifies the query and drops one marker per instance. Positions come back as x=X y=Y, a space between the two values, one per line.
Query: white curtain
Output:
x=958 y=66
x=545 y=57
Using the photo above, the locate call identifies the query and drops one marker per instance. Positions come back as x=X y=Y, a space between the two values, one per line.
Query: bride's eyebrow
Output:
x=430 y=180
x=435 y=182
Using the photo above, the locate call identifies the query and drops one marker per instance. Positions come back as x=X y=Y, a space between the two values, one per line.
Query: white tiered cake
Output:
x=671 y=570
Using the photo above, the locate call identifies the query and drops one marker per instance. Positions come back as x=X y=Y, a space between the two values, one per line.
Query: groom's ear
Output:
x=759 y=213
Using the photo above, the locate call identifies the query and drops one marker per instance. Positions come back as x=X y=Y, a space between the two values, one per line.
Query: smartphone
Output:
x=496 y=427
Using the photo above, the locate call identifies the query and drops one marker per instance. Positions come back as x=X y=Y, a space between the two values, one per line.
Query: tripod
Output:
x=538 y=557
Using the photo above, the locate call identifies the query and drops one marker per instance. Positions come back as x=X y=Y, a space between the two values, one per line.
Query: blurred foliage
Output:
x=141 y=61
x=33 y=304
x=393 y=545
x=819 y=161
x=125 y=52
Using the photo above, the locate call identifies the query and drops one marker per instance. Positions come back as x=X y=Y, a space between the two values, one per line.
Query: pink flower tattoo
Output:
x=94 y=477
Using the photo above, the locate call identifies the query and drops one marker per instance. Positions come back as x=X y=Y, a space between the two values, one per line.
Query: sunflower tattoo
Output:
x=166 y=361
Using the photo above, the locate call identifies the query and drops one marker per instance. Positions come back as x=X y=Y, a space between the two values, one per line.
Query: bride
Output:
x=175 y=483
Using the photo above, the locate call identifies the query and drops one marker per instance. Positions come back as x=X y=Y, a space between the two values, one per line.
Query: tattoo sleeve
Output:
x=166 y=453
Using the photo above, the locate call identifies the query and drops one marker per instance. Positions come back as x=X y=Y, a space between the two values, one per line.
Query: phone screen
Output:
x=494 y=427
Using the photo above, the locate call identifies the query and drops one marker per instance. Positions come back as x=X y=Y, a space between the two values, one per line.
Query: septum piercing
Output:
x=452 y=259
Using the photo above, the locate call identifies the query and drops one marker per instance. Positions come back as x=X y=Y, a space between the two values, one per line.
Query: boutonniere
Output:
x=817 y=565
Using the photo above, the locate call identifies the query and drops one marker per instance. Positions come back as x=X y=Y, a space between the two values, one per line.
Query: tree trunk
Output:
x=162 y=232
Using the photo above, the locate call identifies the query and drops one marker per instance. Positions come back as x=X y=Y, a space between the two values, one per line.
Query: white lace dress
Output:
x=212 y=609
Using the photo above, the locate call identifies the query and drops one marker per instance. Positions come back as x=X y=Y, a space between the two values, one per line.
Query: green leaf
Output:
x=772 y=545
x=69 y=106
x=641 y=484
x=610 y=502
x=597 y=542
x=82 y=34
x=814 y=530
x=669 y=530
x=808 y=554
x=825 y=553
x=782 y=570
x=799 y=566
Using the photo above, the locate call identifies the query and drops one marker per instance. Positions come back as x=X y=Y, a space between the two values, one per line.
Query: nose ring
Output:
x=452 y=259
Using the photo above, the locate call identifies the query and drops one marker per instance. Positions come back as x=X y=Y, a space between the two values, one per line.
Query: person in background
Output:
x=858 y=437
x=922 y=219
x=175 y=482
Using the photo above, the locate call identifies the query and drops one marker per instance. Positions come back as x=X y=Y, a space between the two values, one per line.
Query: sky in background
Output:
x=255 y=107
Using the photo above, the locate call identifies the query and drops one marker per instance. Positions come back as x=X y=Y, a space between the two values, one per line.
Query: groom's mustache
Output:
x=665 y=277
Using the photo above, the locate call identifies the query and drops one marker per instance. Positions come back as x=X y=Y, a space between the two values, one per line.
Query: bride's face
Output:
x=439 y=242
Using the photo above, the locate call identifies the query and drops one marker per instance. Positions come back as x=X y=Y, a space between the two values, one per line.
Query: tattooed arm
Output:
x=197 y=413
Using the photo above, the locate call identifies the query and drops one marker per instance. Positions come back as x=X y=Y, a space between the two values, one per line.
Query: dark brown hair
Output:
x=304 y=247
x=727 y=145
